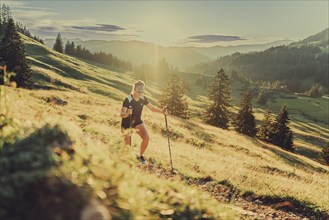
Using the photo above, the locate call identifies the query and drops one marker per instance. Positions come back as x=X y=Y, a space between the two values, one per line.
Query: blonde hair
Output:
x=137 y=84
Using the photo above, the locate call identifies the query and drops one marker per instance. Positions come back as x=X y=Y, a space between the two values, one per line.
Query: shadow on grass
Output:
x=36 y=50
x=312 y=154
x=69 y=72
x=289 y=158
x=198 y=131
x=46 y=83
x=311 y=127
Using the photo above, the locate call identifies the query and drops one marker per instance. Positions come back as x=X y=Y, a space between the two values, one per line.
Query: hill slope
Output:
x=222 y=163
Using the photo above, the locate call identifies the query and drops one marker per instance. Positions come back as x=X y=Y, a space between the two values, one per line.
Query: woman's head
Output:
x=138 y=87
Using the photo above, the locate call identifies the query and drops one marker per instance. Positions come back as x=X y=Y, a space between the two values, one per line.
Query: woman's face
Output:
x=139 y=90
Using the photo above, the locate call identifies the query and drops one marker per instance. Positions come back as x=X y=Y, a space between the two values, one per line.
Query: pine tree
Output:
x=265 y=132
x=67 y=48
x=12 y=54
x=173 y=98
x=282 y=134
x=245 y=120
x=262 y=98
x=324 y=155
x=5 y=15
x=72 y=49
x=219 y=94
x=58 y=46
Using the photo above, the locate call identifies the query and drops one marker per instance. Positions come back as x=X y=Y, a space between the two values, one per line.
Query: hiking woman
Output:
x=131 y=116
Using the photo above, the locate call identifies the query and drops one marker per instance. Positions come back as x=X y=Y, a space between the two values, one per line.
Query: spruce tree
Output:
x=265 y=132
x=173 y=98
x=58 y=46
x=324 y=155
x=245 y=120
x=262 y=98
x=12 y=54
x=219 y=94
x=67 y=48
x=72 y=49
x=282 y=133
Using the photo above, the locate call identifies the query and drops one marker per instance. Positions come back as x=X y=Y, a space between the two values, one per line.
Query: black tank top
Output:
x=137 y=107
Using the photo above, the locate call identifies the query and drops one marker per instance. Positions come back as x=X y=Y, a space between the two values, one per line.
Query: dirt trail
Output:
x=249 y=206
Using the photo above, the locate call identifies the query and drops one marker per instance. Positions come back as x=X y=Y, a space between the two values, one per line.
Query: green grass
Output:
x=95 y=93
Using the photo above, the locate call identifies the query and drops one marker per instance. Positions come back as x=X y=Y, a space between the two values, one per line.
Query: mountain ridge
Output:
x=145 y=52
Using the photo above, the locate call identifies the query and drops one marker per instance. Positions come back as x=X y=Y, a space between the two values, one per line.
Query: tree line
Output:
x=82 y=52
x=290 y=65
x=274 y=130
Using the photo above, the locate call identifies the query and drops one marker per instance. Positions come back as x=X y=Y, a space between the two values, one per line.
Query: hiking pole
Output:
x=130 y=126
x=168 y=142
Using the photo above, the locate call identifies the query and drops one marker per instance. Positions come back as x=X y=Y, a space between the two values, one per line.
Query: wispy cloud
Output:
x=212 y=38
x=44 y=21
x=100 y=27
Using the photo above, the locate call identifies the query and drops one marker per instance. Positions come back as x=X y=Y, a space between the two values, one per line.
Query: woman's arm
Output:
x=125 y=112
x=155 y=109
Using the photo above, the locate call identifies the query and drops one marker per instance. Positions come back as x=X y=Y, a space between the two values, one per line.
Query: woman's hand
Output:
x=165 y=111
x=130 y=111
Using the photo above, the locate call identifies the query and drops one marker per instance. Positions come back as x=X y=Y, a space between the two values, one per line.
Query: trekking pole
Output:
x=168 y=142
x=130 y=126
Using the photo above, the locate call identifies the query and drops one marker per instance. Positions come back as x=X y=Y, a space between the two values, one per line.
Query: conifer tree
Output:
x=282 y=133
x=324 y=155
x=265 y=132
x=72 y=49
x=67 y=48
x=217 y=113
x=262 y=98
x=173 y=98
x=12 y=54
x=245 y=120
x=58 y=46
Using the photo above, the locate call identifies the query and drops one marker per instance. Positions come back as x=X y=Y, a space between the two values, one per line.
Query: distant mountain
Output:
x=143 y=52
x=219 y=51
x=299 y=65
x=320 y=39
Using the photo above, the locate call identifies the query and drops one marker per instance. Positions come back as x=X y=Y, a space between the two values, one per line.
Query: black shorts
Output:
x=126 y=125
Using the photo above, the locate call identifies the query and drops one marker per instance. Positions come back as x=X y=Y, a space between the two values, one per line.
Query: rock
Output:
x=56 y=101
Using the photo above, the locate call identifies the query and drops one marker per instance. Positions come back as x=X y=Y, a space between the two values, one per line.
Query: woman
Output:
x=131 y=116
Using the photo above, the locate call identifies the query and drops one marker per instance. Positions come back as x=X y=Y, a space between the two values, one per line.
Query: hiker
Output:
x=131 y=116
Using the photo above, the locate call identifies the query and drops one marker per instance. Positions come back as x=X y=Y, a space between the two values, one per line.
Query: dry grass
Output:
x=198 y=150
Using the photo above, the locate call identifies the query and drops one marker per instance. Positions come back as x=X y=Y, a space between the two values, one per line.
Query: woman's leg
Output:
x=142 y=132
x=127 y=136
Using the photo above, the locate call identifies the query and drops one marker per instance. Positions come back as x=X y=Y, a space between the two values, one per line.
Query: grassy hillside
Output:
x=206 y=158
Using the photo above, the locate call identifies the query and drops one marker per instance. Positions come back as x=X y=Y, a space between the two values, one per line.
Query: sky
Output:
x=174 y=23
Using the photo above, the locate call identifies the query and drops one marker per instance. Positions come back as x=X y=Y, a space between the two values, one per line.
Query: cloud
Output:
x=212 y=38
x=22 y=11
x=100 y=27
x=44 y=22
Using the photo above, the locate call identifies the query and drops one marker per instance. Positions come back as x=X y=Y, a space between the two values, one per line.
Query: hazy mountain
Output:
x=139 y=52
x=320 y=39
x=219 y=51
x=298 y=65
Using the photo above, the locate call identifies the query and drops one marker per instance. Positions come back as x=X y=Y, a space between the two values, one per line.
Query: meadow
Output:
x=93 y=96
